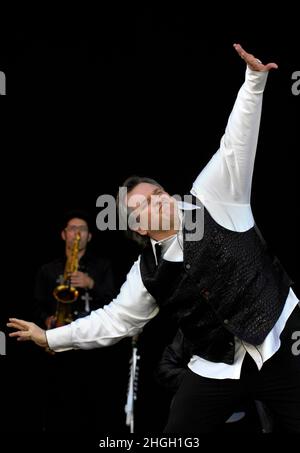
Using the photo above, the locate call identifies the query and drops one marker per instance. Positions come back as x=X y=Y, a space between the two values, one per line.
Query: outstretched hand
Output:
x=252 y=62
x=28 y=331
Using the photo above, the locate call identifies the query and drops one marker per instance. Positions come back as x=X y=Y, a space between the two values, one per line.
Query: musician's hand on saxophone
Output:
x=81 y=280
x=28 y=331
x=50 y=322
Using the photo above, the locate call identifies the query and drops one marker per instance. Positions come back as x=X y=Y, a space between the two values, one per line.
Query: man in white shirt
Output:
x=231 y=298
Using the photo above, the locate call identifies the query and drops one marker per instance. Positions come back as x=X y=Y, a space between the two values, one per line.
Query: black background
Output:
x=94 y=96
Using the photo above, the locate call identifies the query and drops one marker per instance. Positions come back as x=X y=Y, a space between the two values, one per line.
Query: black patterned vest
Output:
x=228 y=285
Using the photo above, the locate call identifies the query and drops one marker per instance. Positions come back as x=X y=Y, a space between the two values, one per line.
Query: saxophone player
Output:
x=92 y=276
x=68 y=379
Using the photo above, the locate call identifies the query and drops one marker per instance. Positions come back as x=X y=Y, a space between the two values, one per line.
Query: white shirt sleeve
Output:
x=224 y=185
x=125 y=316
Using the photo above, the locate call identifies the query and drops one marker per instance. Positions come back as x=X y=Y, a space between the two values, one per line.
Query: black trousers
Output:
x=203 y=404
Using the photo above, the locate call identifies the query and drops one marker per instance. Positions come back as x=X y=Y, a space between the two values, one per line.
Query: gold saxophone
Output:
x=66 y=294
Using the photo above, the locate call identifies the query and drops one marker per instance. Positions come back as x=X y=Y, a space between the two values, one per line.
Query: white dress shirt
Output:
x=224 y=188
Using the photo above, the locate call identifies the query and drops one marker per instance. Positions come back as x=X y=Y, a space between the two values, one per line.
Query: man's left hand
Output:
x=82 y=280
x=252 y=62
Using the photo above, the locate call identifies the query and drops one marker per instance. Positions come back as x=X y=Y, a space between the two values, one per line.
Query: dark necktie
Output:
x=158 y=252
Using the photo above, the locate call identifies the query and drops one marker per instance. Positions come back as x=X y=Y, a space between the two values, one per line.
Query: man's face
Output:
x=73 y=227
x=151 y=209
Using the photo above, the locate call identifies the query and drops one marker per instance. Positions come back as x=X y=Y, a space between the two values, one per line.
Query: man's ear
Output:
x=89 y=237
x=63 y=235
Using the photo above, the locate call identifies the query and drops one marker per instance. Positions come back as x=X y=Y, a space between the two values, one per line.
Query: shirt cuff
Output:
x=60 y=339
x=256 y=80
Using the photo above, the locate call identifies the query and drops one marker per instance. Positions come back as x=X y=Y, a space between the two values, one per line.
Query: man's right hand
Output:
x=28 y=331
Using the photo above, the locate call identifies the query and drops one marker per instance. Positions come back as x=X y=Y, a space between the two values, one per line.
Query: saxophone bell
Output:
x=65 y=294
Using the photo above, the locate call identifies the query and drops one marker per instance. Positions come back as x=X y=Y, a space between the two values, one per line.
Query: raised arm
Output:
x=227 y=177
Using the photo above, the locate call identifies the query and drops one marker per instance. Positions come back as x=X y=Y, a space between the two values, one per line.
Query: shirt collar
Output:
x=164 y=243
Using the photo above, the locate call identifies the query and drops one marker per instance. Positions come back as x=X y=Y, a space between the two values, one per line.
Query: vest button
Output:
x=226 y=321
x=187 y=266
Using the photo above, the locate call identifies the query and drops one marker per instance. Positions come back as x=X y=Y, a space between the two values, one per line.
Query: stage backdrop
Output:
x=134 y=91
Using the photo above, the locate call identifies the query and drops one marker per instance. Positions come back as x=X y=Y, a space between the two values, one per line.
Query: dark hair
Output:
x=78 y=214
x=130 y=183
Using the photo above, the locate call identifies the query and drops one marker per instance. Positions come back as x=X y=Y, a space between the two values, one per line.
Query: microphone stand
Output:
x=132 y=384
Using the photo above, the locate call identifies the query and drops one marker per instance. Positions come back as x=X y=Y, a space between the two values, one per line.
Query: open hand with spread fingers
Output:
x=252 y=61
x=28 y=331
